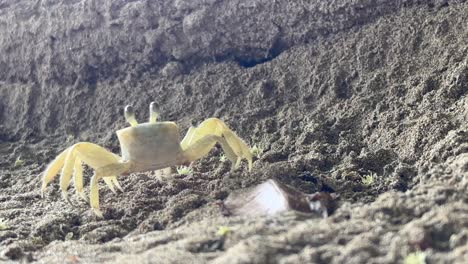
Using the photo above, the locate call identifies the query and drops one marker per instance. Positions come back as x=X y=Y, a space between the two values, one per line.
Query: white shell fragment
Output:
x=272 y=197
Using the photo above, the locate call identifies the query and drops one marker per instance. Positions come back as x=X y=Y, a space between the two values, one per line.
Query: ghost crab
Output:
x=144 y=147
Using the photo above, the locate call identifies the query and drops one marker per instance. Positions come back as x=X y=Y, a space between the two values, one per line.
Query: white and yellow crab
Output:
x=145 y=147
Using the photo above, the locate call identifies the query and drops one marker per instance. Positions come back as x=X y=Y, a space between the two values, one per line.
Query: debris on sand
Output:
x=273 y=197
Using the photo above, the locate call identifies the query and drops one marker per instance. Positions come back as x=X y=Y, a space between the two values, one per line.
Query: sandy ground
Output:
x=334 y=92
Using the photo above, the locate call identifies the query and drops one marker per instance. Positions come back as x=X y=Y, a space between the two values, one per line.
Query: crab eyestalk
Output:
x=154 y=113
x=130 y=115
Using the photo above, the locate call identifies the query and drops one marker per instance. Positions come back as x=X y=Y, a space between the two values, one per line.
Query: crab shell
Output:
x=151 y=146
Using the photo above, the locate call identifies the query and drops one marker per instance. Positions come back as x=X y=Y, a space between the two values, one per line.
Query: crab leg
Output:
x=105 y=163
x=188 y=139
x=240 y=148
x=69 y=163
x=202 y=146
x=78 y=178
x=104 y=172
x=112 y=181
x=67 y=171
x=53 y=169
x=235 y=148
x=116 y=183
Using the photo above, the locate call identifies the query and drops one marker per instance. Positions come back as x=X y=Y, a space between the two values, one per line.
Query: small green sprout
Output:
x=369 y=179
x=417 y=257
x=19 y=162
x=70 y=138
x=3 y=225
x=37 y=240
x=69 y=236
x=223 y=231
x=256 y=151
x=222 y=158
x=184 y=170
